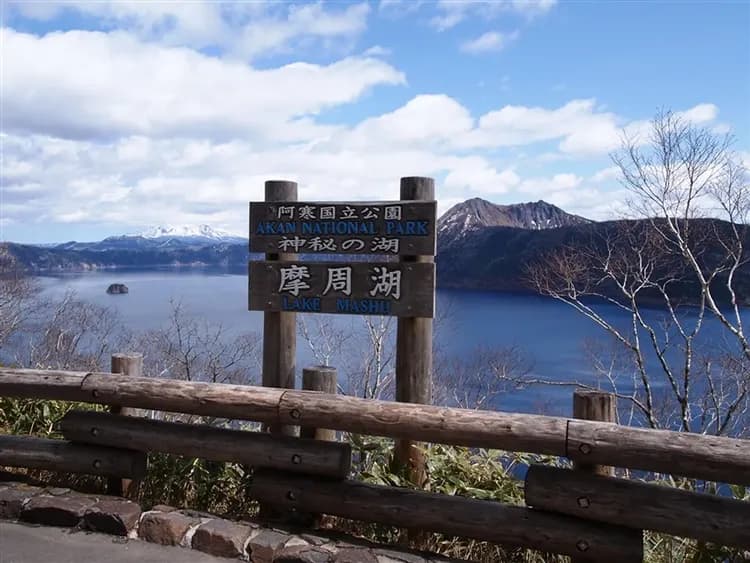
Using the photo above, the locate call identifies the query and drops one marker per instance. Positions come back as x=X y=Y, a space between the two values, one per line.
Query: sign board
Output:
x=403 y=289
x=391 y=228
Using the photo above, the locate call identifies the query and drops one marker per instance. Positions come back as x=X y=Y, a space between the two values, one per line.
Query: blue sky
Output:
x=121 y=115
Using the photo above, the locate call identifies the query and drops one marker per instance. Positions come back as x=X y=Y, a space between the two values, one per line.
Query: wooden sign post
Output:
x=414 y=346
x=279 y=328
x=282 y=285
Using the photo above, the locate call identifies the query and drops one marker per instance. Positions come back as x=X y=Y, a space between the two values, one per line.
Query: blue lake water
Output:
x=551 y=334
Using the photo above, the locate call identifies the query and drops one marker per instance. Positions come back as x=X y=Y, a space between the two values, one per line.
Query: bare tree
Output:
x=371 y=359
x=684 y=173
x=364 y=351
x=195 y=350
x=672 y=256
x=69 y=334
x=323 y=337
x=16 y=295
x=478 y=379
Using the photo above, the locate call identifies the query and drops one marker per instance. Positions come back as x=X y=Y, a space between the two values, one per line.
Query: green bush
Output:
x=36 y=417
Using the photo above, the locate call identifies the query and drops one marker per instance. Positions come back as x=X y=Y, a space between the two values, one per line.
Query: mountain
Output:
x=481 y=245
x=156 y=238
x=177 y=235
x=497 y=258
x=157 y=246
x=127 y=253
x=476 y=214
x=190 y=232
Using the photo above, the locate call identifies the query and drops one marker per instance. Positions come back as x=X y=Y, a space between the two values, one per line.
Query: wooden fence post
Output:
x=280 y=329
x=414 y=349
x=594 y=405
x=319 y=378
x=323 y=379
x=125 y=364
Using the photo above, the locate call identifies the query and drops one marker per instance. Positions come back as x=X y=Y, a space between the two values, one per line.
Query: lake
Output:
x=549 y=333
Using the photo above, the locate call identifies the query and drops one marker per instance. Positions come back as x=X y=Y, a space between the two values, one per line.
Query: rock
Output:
x=164 y=508
x=300 y=554
x=13 y=498
x=392 y=555
x=57 y=491
x=250 y=524
x=165 y=528
x=296 y=541
x=355 y=555
x=263 y=547
x=56 y=510
x=200 y=514
x=314 y=539
x=112 y=516
x=221 y=538
x=117 y=288
x=351 y=542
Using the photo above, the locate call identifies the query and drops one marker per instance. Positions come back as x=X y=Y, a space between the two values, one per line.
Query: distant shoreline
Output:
x=240 y=269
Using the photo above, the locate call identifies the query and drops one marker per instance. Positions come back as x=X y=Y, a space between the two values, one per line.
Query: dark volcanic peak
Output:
x=540 y=215
x=475 y=214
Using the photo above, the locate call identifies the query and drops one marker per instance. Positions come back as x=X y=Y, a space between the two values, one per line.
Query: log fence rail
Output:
x=585 y=512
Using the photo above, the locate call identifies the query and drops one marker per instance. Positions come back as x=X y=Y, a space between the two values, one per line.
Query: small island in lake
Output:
x=117 y=288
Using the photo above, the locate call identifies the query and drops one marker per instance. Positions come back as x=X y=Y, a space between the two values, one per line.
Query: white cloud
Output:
x=532 y=8
x=195 y=181
x=247 y=29
x=104 y=128
x=721 y=129
x=591 y=203
x=376 y=51
x=399 y=8
x=598 y=133
x=545 y=187
x=476 y=175
x=700 y=114
x=113 y=85
x=426 y=120
x=452 y=12
x=581 y=127
x=606 y=174
x=492 y=41
x=272 y=34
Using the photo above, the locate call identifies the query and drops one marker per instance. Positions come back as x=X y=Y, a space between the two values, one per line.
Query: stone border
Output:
x=244 y=540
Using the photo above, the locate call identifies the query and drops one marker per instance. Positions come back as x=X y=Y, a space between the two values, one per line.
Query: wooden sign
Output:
x=395 y=228
x=402 y=289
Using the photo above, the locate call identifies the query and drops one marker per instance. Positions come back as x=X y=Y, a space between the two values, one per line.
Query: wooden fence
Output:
x=590 y=516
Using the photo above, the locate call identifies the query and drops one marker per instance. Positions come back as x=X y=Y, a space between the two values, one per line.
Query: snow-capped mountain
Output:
x=161 y=238
x=187 y=231
x=176 y=235
x=476 y=214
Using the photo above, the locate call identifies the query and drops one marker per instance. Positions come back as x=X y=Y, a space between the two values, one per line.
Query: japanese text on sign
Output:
x=398 y=289
x=394 y=228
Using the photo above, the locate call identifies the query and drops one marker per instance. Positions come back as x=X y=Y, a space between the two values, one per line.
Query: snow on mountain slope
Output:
x=187 y=231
